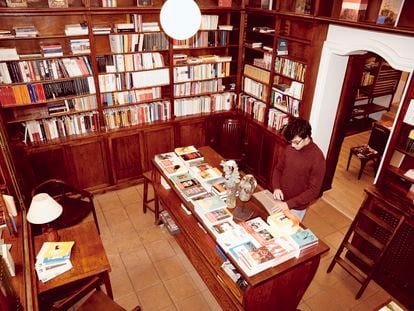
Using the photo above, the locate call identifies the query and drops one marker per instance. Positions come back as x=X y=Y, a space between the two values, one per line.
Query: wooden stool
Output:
x=148 y=179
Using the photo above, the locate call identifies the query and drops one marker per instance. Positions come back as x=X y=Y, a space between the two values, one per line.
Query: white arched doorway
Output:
x=341 y=42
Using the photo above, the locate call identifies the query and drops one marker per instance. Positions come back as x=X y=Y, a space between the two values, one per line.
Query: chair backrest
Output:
x=378 y=138
x=231 y=139
x=77 y=203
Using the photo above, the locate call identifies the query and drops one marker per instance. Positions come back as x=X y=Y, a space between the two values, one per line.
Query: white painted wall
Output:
x=341 y=42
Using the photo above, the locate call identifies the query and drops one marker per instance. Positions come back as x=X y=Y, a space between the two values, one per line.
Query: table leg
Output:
x=108 y=286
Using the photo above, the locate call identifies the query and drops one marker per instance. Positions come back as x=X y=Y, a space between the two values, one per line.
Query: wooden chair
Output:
x=373 y=150
x=149 y=176
x=96 y=300
x=77 y=203
x=229 y=142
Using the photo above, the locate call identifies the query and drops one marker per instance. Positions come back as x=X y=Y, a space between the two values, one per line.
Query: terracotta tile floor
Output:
x=149 y=268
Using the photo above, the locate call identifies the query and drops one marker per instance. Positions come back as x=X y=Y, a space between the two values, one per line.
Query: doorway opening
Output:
x=330 y=112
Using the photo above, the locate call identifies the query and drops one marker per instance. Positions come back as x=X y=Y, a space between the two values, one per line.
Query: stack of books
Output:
x=8 y=54
x=76 y=29
x=6 y=34
x=80 y=46
x=25 y=31
x=101 y=29
x=53 y=259
x=188 y=186
x=51 y=50
x=171 y=164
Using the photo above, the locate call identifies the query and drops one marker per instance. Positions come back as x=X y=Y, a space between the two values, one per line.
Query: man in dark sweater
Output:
x=299 y=174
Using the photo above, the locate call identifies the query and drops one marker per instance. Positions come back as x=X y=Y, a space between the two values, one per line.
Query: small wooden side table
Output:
x=88 y=258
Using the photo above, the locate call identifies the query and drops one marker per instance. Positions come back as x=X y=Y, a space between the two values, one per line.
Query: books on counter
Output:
x=265 y=198
x=304 y=238
x=282 y=224
x=170 y=164
x=208 y=204
x=259 y=229
x=53 y=259
x=189 y=154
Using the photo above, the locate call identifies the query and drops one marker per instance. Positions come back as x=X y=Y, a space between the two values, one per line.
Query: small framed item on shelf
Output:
x=58 y=3
x=224 y=3
x=144 y=2
x=16 y=3
x=389 y=11
x=353 y=10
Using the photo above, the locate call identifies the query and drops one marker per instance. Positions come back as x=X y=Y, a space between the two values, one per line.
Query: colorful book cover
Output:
x=55 y=251
x=217 y=216
x=209 y=204
x=183 y=150
x=304 y=238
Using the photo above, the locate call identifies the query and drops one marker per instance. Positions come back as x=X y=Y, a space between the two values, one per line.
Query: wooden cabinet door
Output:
x=87 y=160
x=156 y=140
x=125 y=156
x=191 y=133
x=47 y=164
x=254 y=139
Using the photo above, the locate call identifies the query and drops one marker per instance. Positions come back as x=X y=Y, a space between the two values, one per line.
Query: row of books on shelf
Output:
x=111 y=82
x=290 y=68
x=53 y=259
x=281 y=91
x=205 y=38
x=72 y=105
x=277 y=119
x=37 y=92
x=257 y=73
x=219 y=69
x=131 y=97
x=198 y=87
x=184 y=59
x=130 y=62
x=409 y=145
x=254 y=88
x=137 y=114
x=204 y=104
x=44 y=70
x=133 y=42
x=252 y=107
x=37 y=131
x=265 y=62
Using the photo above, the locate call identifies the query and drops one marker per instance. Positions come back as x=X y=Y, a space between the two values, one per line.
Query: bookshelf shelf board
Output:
x=258 y=67
x=61 y=140
x=254 y=79
x=400 y=173
x=128 y=71
x=47 y=101
x=201 y=63
x=268 y=34
x=136 y=52
x=206 y=47
x=133 y=89
x=70 y=113
x=199 y=94
x=287 y=77
x=44 y=81
x=148 y=101
x=253 y=96
x=209 y=79
x=402 y=150
x=55 y=36
x=299 y=40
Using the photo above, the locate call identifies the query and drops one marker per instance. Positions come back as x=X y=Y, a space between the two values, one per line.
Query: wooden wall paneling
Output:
x=125 y=156
x=88 y=172
x=254 y=139
x=190 y=132
x=156 y=140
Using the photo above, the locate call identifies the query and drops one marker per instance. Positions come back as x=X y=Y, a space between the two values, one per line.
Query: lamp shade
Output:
x=180 y=19
x=43 y=209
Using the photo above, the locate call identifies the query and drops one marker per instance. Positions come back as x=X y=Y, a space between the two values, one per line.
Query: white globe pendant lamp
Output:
x=180 y=19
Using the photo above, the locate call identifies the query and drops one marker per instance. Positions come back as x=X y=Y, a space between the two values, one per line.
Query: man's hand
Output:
x=291 y=216
x=278 y=194
x=278 y=206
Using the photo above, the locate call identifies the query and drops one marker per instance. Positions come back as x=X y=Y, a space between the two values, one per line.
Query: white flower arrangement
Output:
x=231 y=173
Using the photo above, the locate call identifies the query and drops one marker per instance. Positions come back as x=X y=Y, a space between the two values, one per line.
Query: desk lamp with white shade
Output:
x=42 y=211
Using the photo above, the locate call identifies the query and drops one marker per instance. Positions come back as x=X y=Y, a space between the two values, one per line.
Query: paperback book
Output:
x=282 y=224
x=170 y=164
x=259 y=230
x=304 y=238
x=209 y=204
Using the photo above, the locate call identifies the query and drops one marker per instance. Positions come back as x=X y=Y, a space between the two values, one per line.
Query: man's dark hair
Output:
x=299 y=127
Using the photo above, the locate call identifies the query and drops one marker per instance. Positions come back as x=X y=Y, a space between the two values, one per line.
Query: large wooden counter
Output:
x=278 y=288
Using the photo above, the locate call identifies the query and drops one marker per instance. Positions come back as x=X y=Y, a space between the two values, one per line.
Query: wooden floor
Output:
x=347 y=191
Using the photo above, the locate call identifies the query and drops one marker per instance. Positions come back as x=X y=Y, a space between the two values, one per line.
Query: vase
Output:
x=231 y=196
